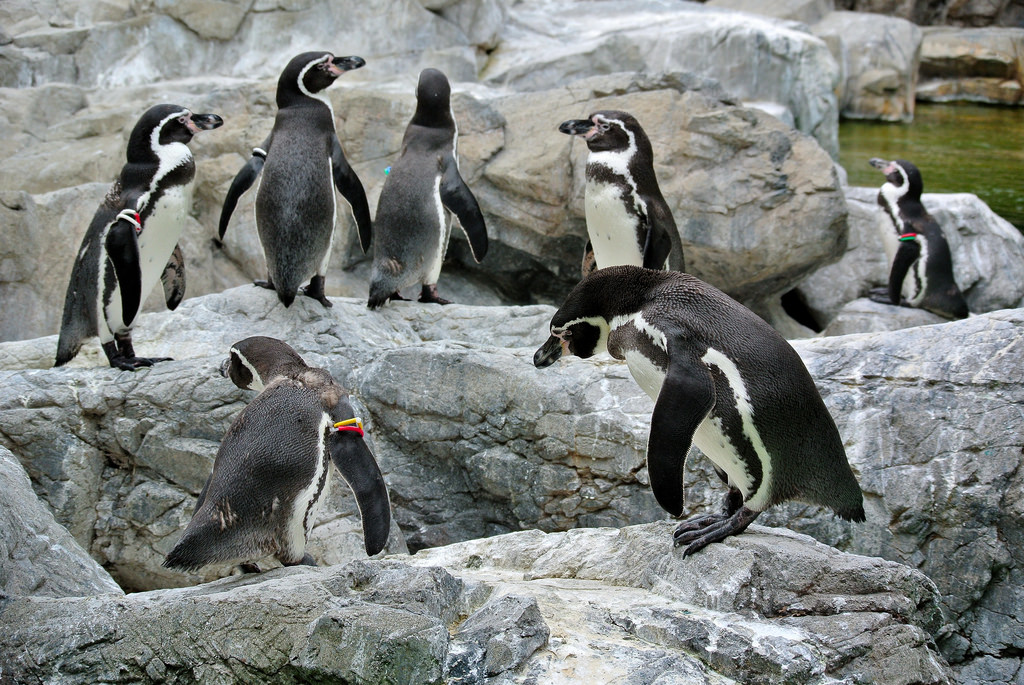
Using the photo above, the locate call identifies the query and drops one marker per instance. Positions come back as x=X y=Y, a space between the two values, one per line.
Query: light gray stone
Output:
x=867 y=316
x=586 y=605
x=979 y=65
x=878 y=58
x=40 y=558
x=805 y=11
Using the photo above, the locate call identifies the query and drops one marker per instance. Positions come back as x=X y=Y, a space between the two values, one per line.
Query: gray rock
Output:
x=935 y=12
x=867 y=316
x=980 y=65
x=988 y=258
x=878 y=58
x=754 y=58
x=40 y=558
x=602 y=603
x=805 y=11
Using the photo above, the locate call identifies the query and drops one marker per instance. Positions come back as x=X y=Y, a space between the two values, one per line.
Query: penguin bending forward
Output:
x=420 y=193
x=628 y=220
x=722 y=379
x=302 y=163
x=132 y=241
x=270 y=474
x=914 y=244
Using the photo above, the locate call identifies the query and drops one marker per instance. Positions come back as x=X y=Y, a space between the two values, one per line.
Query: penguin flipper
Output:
x=244 y=179
x=173 y=279
x=358 y=467
x=658 y=243
x=348 y=184
x=905 y=257
x=686 y=398
x=459 y=199
x=122 y=246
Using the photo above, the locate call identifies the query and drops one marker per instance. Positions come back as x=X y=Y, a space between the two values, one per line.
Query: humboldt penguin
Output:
x=302 y=163
x=270 y=473
x=914 y=244
x=722 y=379
x=132 y=241
x=628 y=220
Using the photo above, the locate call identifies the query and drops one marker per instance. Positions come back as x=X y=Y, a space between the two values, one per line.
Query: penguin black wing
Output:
x=173 y=279
x=122 y=245
x=358 y=467
x=907 y=253
x=662 y=234
x=348 y=184
x=686 y=398
x=459 y=199
x=243 y=180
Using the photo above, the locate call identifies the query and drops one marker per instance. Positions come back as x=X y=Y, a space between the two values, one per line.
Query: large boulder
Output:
x=878 y=58
x=590 y=603
x=40 y=558
x=981 y=65
x=755 y=58
x=988 y=258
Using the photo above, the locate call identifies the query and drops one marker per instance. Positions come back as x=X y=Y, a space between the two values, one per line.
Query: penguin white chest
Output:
x=611 y=227
x=161 y=233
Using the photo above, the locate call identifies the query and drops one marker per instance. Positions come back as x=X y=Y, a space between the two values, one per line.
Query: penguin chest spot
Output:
x=612 y=224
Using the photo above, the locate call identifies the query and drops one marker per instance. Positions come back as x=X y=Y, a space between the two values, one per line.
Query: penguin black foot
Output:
x=267 y=284
x=429 y=294
x=700 y=532
x=376 y=301
x=315 y=289
x=249 y=567
x=306 y=560
x=122 y=356
x=881 y=295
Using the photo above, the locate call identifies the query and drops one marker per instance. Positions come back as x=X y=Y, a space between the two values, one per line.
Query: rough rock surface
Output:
x=867 y=316
x=758 y=204
x=982 y=65
x=933 y=12
x=39 y=557
x=988 y=257
x=588 y=605
x=474 y=441
x=878 y=58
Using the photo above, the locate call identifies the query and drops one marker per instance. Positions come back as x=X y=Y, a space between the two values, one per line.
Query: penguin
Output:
x=914 y=243
x=132 y=240
x=628 y=220
x=422 y=190
x=270 y=473
x=722 y=379
x=302 y=163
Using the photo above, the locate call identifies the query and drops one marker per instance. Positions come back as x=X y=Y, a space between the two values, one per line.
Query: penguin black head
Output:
x=255 y=361
x=902 y=176
x=310 y=73
x=163 y=125
x=433 y=99
x=609 y=130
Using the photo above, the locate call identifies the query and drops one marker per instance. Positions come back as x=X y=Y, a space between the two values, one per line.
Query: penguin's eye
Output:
x=183 y=119
x=565 y=335
x=604 y=127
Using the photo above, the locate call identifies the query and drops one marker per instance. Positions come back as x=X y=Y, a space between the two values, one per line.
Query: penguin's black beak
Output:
x=348 y=63
x=576 y=127
x=878 y=163
x=205 y=122
x=549 y=353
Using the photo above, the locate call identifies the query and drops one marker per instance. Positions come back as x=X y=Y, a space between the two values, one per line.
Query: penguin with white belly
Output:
x=915 y=246
x=132 y=241
x=722 y=379
x=302 y=163
x=421 y=192
x=628 y=220
x=270 y=474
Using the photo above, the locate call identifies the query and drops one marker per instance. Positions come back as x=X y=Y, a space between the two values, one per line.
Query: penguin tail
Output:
x=286 y=297
x=855 y=514
x=66 y=350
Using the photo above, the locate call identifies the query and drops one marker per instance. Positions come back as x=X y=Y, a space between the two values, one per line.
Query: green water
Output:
x=958 y=148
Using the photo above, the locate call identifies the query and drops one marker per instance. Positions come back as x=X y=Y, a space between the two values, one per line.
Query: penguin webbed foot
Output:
x=881 y=296
x=376 y=301
x=266 y=285
x=249 y=567
x=306 y=560
x=429 y=294
x=699 y=532
x=315 y=289
x=120 y=355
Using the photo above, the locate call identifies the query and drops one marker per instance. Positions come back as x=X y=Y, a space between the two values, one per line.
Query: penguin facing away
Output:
x=628 y=220
x=421 y=192
x=132 y=241
x=302 y=163
x=915 y=245
x=270 y=473
x=722 y=379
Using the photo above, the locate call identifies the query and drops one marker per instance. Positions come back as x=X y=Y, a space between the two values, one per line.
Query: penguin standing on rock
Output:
x=302 y=163
x=133 y=239
x=628 y=220
x=270 y=474
x=421 y=192
x=722 y=379
x=915 y=245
